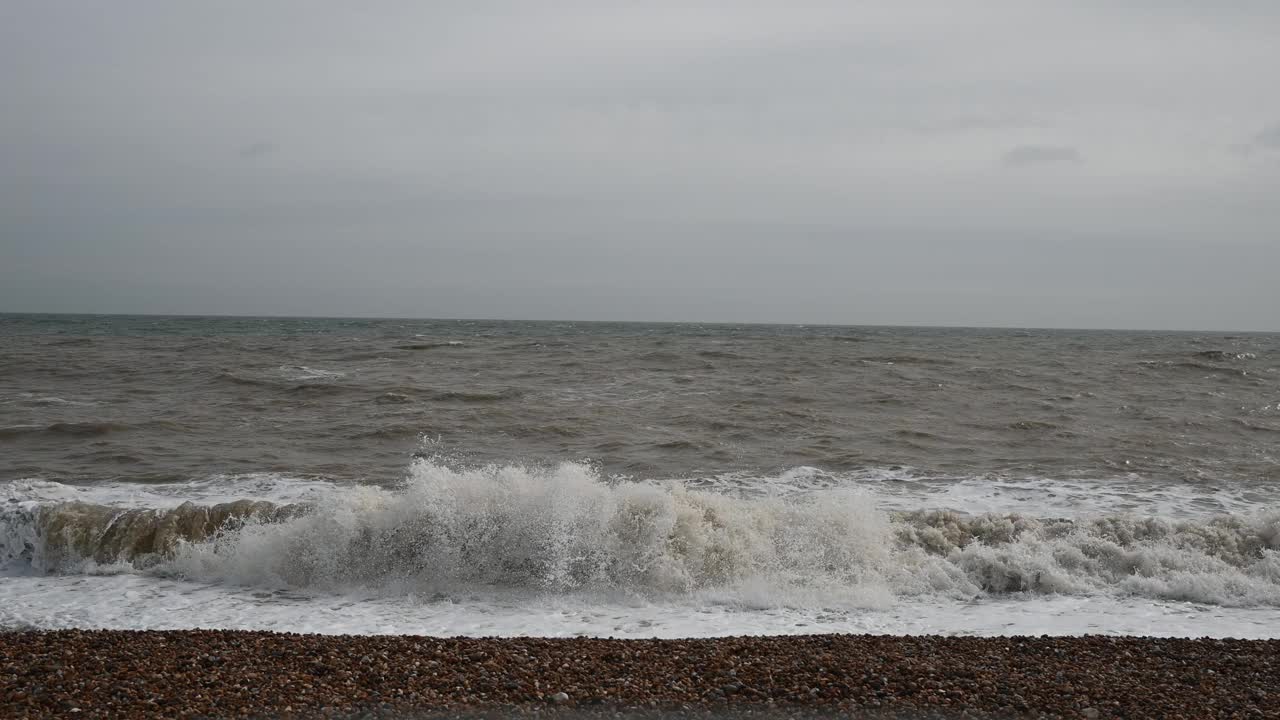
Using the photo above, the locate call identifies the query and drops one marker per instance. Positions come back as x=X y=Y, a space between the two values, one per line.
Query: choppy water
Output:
x=630 y=479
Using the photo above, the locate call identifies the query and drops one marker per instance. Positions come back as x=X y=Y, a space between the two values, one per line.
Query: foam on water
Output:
x=134 y=602
x=210 y=490
x=46 y=400
x=507 y=549
x=906 y=489
x=302 y=372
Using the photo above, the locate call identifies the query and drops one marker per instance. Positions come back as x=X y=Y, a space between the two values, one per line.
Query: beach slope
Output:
x=207 y=673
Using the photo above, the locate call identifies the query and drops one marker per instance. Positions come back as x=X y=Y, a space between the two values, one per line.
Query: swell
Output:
x=566 y=529
x=429 y=345
x=905 y=360
x=475 y=395
x=290 y=386
x=1205 y=367
x=1225 y=355
x=1198 y=366
x=277 y=385
x=83 y=428
x=403 y=394
x=235 y=379
x=323 y=386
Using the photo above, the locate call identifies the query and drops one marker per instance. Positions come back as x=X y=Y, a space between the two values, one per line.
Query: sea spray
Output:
x=559 y=529
x=566 y=529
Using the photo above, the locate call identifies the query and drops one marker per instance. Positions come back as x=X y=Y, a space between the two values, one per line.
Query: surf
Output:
x=567 y=529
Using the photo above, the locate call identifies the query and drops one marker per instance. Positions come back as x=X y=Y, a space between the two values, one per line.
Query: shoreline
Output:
x=221 y=673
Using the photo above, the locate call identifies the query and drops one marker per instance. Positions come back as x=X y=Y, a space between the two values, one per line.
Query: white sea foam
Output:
x=515 y=550
x=905 y=489
x=304 y=373
x=138 y=602
x=34 y=399
x=211 y=489
x=561 y=530
x=565 y=531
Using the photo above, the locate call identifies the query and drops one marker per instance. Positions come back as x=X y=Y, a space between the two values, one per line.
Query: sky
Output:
x=1009 y=162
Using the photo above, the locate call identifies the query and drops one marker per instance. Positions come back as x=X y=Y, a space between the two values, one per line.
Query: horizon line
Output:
x=384 y=318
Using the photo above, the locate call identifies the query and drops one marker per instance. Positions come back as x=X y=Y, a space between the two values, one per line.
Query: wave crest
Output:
x=565 y=529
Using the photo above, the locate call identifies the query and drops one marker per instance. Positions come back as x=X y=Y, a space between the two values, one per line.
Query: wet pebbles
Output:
x=101 y=674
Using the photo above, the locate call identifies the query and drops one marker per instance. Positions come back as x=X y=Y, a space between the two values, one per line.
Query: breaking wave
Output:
x=567 y=529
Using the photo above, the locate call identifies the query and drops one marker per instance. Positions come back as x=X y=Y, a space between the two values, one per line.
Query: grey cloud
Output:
x=1269 y=138
x=629 y=160
x=1029 y=155
x=257 y=149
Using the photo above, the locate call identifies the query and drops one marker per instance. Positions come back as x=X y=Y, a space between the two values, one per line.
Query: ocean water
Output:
x=635 y=480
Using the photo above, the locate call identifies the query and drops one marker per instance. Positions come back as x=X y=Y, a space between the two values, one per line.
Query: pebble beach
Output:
x=214 y=673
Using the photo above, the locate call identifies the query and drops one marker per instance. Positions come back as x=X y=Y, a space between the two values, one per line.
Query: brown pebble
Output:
x=209 y=673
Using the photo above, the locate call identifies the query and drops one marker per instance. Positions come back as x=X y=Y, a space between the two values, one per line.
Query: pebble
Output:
x=214 y=673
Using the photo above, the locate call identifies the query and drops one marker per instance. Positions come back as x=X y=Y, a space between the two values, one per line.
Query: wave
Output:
x=239 y=379
x=51 y=400
x=475 y=395
x=719 y=354
x=1033 y=425
x=393 y=398
x=1253 y=426
x=905 y=360
x=566 y=529
x=324 y=383
x=79 y=536
x=1225 y=355
x=73 y=429
x=1202 y=367
x=429 y=345
x=299 y=380
x=1197 y=366
x=308 y=374
x=395 y=431
x=316 y=388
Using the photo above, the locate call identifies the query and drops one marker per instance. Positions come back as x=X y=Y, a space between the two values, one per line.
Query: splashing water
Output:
x=567 y=530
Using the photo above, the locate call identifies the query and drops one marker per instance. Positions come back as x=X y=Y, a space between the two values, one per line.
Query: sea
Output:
x=496 y=478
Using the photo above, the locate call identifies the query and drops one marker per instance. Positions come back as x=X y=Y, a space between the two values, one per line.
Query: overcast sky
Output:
x=1078 y=164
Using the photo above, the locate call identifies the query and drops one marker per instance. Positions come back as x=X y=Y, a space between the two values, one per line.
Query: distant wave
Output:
x=286 y=378
x=395 y=398
x=74 y=429
x=905 y=360
x=238 y=379
x=1197 y=366
x=316 y=388
x=719 y=354
x=396 y=431
x=430 y=345
x=566 y=529
x=476 y=395
x=400 y=395
x=1225 y=355
x=326 y=384
x=1210 y=368
x=51 y=400
x=304 y=373
x=1033 y=425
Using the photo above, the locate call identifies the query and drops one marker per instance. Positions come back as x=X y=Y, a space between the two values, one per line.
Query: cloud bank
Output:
x=1015 y=164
